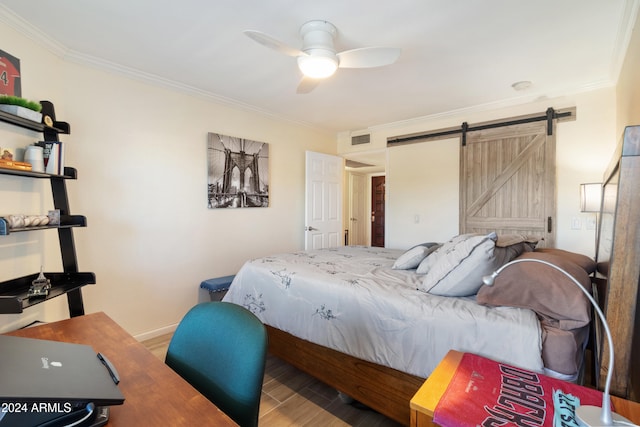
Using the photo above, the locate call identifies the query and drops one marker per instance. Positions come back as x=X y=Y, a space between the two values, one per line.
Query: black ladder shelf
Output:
x=14 y=293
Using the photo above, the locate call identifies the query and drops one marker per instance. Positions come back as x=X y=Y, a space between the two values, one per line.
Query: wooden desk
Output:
x=154 y=394
x=427 y=397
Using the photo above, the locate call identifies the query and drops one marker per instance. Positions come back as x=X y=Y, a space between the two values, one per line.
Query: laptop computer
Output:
x=53 y=375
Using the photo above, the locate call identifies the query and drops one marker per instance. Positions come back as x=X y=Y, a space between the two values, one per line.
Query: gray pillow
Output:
x=457 y=267
x=429 y=245
x=412 y=257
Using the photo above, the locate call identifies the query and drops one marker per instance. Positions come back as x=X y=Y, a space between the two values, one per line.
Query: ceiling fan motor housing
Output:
x=318 y=35
x=321 y=60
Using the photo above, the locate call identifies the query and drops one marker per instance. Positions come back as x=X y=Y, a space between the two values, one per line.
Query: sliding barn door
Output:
x=507 y=181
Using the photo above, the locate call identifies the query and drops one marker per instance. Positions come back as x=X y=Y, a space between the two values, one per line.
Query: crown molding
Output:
x=26 y=29
x=629 y=16
x=497 y=105
x=33 y=33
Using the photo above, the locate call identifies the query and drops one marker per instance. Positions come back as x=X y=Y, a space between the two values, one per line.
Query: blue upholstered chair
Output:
x=220 y=349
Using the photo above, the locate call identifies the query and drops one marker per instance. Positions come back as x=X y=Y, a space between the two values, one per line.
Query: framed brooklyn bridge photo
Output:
x=238 y=172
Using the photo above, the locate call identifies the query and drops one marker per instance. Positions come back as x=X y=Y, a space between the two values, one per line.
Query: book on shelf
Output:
x=484 y=392
x=53 y=157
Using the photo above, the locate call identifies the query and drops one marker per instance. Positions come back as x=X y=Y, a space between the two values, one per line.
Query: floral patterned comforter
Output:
x=351 y=300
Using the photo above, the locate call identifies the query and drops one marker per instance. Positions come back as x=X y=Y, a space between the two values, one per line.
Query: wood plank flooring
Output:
x=292 y=398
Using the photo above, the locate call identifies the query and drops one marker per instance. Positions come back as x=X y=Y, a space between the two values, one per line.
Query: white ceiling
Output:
x=456 y=54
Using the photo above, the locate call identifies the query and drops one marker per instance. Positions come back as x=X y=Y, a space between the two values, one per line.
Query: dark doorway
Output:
x=377 y=211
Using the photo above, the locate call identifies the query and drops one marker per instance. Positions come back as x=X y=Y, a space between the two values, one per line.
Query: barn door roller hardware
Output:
x=550 y=115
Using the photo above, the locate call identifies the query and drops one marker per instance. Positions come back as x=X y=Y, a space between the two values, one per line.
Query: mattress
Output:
x=351 y=300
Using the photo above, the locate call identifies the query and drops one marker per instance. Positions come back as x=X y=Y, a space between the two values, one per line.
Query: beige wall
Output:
x=422 y=178
x=140 y=151
x=422 y=199
x=628 y=89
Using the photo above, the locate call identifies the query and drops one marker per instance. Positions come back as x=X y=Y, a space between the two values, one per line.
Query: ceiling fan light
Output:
x=317 y=67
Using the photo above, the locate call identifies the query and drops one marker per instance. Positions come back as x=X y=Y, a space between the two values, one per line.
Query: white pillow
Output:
x=411 y=258
x=457 y=268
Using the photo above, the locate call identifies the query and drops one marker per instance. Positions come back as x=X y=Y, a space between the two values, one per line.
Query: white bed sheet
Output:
x=351 y=300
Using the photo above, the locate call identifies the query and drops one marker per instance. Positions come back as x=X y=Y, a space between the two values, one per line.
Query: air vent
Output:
x=354 y=164
x=360 y=139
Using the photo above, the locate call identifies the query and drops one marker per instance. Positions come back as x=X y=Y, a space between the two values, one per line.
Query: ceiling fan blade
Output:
x=368 y=57
x=307 y=84
x=272 y=43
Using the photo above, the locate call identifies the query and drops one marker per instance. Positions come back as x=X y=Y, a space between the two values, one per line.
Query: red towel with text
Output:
x=486 y=393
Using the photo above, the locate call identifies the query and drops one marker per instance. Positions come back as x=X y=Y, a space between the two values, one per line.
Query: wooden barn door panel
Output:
x=507 y=178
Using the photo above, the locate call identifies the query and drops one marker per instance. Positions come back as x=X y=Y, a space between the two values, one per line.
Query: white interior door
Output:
x=358 y=215
x=323 y=201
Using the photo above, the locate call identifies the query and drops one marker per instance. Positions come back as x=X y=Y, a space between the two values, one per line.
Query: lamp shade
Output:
x=319 y=65
x=590 y=197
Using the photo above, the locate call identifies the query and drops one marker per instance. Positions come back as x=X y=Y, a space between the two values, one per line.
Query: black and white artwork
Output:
x=238 y=172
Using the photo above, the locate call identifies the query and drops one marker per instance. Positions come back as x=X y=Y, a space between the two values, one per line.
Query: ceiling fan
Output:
x=318 y=59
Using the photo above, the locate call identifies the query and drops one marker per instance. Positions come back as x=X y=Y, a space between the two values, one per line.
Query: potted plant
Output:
x=21 y=107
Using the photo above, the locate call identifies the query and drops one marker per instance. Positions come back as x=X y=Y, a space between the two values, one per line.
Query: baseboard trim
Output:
x=156 y=333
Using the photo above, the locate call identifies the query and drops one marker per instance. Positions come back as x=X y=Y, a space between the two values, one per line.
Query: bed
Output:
x=369 y=322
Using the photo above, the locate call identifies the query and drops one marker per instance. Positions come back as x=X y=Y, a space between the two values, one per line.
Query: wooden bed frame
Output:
x=619 y=261
x=386 y=390
x=389 y=391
